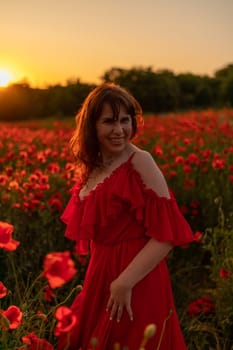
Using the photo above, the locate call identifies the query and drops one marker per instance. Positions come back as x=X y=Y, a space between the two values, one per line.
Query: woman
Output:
x=123 y=207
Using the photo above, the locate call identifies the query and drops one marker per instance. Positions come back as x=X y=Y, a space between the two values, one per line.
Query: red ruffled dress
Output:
x=118 y=218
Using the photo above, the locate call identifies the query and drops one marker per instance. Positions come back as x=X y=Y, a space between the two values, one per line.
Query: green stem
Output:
x=64 y=301
x=17 y=288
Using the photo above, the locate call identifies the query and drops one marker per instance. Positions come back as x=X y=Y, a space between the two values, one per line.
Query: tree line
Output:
x=158 y=92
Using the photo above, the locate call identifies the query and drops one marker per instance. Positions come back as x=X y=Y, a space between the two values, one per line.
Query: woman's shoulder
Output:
x=151 y=175
x=141 y=156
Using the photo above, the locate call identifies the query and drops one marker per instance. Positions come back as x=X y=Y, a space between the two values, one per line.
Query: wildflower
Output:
x=187 y=169
x=66 y=320
x=9 y=170
x=202 y=305
x=44 y=179
x=16 y=205
x=198 y=237
x=14 y=316
x=3 y=290
x=224 y=273
x=3 y=180
x=193 y=159
x=35 y=343
x=187 y=141
x=218 y=164
x=23 y=154
x=206 y=153
x=33 y=178
x=53 y=168
x=179 y=160
x=56 y=204
x=158 y=150
x=172 y=174
x=58 y=268
x=6 y=241
x=41 y=157
x=39 y=195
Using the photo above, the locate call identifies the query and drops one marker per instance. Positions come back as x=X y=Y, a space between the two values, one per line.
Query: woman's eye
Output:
x=108 y=121
x=125 y=120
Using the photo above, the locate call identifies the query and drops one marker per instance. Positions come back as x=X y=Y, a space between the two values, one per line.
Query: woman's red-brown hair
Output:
x=84 y=143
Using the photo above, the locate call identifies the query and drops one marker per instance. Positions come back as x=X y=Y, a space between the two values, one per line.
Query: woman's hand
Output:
x=120 y=298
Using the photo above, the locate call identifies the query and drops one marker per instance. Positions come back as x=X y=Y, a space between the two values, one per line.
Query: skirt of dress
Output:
x=152 y=302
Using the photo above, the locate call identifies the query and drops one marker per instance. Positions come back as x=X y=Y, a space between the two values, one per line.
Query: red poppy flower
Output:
x=206 y=153
x=179 y=160
x=66 y=320
x=58 y=268
x=35 y=343
x=198 y=237
x=202 y=305
x=224 y=273
x=172 y=174
x=56 y=204
x=14 y=316
x=218 y=163
x=187 y=169
x=193 y=159
x=3 y=180
x=3 y=290
x=53 y=168
x=158 y=150
x=9 y=171
x=6 y=241
x=13 y=185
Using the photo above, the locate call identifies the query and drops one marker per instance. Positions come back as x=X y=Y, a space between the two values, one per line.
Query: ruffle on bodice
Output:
x=105 y=205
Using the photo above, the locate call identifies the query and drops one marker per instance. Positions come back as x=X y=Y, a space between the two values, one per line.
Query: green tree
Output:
x=225 y=78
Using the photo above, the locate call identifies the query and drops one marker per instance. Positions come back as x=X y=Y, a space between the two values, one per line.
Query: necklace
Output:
x=107 y=162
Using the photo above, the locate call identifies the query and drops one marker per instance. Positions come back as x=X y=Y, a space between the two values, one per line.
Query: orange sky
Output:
x=50 y=41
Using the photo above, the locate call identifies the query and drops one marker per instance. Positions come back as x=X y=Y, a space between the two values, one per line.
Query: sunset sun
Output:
x=5 y=77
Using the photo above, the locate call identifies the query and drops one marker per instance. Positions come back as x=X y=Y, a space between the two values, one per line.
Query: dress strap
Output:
x=131 y=156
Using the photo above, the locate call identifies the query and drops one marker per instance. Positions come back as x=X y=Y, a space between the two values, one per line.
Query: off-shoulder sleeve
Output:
x=160 y=216
x=164 y=221
x=72 y=217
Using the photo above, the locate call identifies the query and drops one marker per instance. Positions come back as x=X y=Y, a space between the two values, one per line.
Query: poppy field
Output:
x=40 y=273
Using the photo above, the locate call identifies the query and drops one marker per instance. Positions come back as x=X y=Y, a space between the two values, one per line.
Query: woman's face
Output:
x=113 y=134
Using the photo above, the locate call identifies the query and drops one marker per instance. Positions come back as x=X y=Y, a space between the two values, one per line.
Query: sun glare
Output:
x=5 y=77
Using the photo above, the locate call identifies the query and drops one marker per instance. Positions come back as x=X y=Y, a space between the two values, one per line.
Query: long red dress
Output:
x=118 y=217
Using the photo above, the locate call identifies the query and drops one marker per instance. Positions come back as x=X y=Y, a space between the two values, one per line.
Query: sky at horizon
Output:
x=49 y=42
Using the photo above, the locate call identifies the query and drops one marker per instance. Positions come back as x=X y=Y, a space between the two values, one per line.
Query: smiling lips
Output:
x=117 y=140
